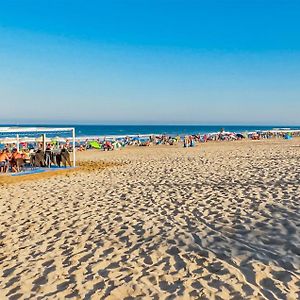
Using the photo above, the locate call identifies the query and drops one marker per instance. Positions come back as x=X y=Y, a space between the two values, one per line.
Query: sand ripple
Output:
x=215 y=222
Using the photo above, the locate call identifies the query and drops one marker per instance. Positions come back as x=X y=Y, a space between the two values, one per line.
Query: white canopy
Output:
x=42 y=130
x=32 y=129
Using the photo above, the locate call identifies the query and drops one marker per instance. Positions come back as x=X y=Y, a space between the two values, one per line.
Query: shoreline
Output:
x=82 y=137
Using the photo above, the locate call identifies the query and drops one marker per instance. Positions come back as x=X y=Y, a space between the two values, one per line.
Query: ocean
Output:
x=121 y=130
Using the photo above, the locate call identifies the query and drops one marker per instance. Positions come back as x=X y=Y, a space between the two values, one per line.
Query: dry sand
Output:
x=219 y=221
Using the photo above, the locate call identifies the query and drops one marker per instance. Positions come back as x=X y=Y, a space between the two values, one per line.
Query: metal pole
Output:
x=44 y=142
x=18 y=143
x=74 y=155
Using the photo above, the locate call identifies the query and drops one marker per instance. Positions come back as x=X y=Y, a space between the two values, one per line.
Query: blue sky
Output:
x=146 y=62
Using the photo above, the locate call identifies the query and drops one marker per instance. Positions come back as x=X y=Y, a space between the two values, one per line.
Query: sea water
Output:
x=122 y=130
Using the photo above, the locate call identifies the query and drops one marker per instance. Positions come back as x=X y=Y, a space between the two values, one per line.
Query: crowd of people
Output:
x=188 y=140
x=14 y=160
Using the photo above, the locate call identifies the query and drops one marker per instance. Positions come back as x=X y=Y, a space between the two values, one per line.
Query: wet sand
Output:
x=219 y=221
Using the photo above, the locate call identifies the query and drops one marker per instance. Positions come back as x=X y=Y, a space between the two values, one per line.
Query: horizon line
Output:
x=142 y=124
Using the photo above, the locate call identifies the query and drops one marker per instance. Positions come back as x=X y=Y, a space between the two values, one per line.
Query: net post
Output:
x=73 y=145
x=18 y=142
x=44 y=141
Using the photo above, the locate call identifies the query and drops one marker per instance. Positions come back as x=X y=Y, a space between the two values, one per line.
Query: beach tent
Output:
x=288 y=136
x=245 y=134
x=18 y=135
x=95 y=145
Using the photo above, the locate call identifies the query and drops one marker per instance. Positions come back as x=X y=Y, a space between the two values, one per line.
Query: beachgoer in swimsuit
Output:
x=4 y=160
x=13 y=161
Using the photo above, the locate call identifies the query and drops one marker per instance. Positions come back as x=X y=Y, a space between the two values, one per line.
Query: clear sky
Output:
x=150 y=61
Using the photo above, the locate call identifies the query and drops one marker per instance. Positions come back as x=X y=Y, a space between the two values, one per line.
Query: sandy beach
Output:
x=218 y=221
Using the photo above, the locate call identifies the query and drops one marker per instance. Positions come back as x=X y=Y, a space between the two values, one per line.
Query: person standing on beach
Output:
x=4 y=160
x=185 y=142
x=48 y=155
